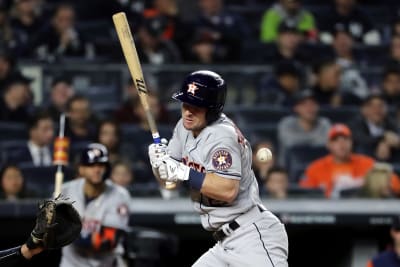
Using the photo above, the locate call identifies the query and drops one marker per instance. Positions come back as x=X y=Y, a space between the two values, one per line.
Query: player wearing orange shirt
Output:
x=341 y=168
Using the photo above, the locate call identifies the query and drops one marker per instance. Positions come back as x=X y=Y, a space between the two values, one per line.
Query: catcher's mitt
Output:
x=57 y=224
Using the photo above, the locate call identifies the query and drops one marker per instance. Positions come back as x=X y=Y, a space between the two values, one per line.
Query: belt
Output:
x=227 y=229
x=220 y=234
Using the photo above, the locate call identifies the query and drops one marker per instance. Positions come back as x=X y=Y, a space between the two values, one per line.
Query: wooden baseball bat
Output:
x=132 y=59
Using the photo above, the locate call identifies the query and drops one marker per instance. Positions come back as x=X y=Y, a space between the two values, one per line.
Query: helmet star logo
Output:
x=192 y=88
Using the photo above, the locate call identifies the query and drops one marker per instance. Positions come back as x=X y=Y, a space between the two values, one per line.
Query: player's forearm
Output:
x=220 y=188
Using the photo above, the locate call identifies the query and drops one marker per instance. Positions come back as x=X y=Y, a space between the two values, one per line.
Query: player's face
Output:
x=93 y=173
x=194 y=118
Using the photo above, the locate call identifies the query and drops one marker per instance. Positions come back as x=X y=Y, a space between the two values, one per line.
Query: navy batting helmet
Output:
x=94 y=153
x=206 y=89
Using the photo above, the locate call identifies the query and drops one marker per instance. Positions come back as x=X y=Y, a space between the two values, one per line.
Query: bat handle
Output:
x=157 y=140
x=58 y=181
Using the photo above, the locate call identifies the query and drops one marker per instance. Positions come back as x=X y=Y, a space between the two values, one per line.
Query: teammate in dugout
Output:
x=103 y=207
x=209 y=152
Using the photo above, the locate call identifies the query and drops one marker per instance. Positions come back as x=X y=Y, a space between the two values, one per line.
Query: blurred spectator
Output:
x=341 y=169
x=9 y=38
x=152 y=47
x=109 y=134
x=8 y=68
x=377 y=182
x=286 y=47
x=391 y=256
x=61 y=38
x=217 y=35
x=280 y=89
x=346 y=15
x=140 y=113
x=395 y=27
x=124 y=113
x=261 y=168
x=394 y=50
x=276 y=183
x=327 y=83
x=12 y=184
x=122 y=174
x=38 y=150
x=16 y=99
x=305 y=127
x=291 y=12
x=374 y=131
x=175 y=30
x=80 y=126
x=391 y=86
x=132 y=111
x=26 y=19
x=61 y=91
x=352 y=83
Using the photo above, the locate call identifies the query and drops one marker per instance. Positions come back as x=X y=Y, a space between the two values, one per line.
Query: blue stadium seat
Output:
x=9 y=146
x=261 y=114
x=258 y=132
x=299 y=157
x=40 y=180
x=339 y=115
x=13 y=130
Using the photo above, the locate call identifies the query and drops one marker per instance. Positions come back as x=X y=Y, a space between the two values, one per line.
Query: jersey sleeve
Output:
x=117 y=215
x=175 y=144
x=223 y=157
x=12 y=257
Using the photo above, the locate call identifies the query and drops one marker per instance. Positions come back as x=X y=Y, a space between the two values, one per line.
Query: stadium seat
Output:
x=9 y=147
x=40 y=180
x=261 y=114
x=299 y=157
x=258 y=132
x=339 y=115
x=13 y=130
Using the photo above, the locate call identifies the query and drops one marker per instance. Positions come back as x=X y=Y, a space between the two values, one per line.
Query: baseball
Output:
x=264 y=154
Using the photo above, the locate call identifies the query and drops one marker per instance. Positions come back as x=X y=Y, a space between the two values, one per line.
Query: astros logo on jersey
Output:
x=221 y=159
x=192 y=88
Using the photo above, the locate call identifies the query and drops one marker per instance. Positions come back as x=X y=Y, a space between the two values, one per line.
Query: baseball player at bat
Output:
x=103 y=207
x=209 y=152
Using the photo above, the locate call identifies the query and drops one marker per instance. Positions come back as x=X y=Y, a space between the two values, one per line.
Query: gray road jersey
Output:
x=219 y=148
x=110 y=209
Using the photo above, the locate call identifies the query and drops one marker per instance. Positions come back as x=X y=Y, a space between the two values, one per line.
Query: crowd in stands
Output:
x=334 y=131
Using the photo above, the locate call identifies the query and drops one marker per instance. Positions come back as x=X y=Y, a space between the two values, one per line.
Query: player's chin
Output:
x=188 y=124
x=96 y=181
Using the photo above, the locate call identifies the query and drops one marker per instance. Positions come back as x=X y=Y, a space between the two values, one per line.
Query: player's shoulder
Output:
x=118 y=190
x=73 y=184
x=223 y=128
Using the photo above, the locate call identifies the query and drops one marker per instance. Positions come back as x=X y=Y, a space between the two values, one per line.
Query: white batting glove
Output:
x=172 y=170
x=156 y=152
